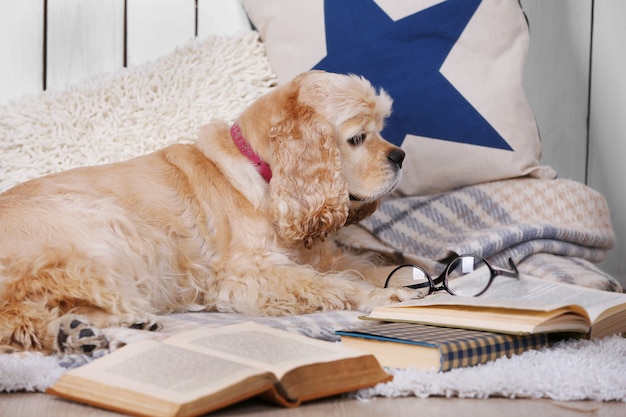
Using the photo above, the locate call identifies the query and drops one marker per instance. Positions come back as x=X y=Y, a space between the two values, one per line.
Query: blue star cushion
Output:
x=454 y=69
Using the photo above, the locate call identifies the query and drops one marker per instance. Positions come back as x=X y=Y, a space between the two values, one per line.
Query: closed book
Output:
x=404 y=345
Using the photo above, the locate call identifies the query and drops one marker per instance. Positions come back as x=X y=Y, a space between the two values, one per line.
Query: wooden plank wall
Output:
x=52 y=44
x=556 y=80
x=573 y=76
x=607 y=122
x=83 y=38
x=21 y=48
x=575 y=85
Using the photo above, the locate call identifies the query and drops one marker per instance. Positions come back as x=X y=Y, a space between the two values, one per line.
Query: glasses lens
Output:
x=410 y=276
x=468 y=275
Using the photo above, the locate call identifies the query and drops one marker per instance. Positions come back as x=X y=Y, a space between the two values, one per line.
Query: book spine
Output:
x=480 y=350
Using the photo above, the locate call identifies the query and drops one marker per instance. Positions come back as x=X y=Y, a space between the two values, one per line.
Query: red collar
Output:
x=248 y=152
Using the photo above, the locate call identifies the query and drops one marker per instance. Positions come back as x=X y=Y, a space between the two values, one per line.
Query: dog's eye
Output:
x=357 y=139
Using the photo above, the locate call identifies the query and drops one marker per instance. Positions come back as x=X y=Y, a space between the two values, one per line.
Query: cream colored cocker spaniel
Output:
x=237 y=222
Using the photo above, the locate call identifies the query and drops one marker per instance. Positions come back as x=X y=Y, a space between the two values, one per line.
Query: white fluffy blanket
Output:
x=138 y=110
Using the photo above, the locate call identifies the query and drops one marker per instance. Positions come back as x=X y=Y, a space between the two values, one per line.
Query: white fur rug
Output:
x=138 y=110
x=571 y=370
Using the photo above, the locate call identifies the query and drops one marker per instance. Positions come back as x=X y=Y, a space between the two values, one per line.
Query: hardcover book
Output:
x=404 y=345
x=527 y=305
x=195 y=372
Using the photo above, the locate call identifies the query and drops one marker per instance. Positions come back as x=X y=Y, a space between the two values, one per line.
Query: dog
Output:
x=240 y=221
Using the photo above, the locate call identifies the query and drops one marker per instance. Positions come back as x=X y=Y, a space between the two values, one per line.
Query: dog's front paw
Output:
x=405 y=294
x=384 y=296
x=139 y=322
x=77 y=335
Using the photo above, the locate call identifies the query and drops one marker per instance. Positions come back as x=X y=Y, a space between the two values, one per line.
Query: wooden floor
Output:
x=42 y=405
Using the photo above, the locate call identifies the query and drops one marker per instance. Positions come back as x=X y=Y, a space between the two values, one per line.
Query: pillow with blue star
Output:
x=454 y=69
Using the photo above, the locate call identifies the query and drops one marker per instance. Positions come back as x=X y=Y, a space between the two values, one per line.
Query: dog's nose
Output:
x=397 y=156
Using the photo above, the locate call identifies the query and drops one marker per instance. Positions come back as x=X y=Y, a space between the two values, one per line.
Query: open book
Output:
x=527 y=305
x=199 y=371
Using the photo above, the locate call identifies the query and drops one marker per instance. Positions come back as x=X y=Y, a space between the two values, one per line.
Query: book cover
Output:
x=402 y=345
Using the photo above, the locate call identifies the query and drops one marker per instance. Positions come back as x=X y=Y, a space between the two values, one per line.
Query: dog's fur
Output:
x=195 y=227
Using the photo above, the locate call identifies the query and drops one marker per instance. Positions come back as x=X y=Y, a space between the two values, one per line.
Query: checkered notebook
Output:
x=456 y=347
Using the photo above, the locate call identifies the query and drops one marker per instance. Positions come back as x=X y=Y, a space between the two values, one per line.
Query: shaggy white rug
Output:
x=571 y=370
x=141 y=109
x=135 y=111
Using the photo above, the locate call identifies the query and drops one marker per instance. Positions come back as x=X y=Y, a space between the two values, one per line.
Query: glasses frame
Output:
x=441 y=282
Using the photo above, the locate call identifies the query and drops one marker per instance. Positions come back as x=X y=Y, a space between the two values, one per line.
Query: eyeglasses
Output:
x=476 y=270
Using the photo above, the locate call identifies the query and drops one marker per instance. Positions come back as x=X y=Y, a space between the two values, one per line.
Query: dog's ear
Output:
x=309 y=196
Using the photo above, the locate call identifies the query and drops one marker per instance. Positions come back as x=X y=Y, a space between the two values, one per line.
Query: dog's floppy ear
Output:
x=309 y=196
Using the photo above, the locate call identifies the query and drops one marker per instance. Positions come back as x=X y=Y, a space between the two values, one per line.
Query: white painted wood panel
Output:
x=21 y=48
x=607 y=132
x=221 y=17
x=85 y=38
x=156 y=27
x=557 y=81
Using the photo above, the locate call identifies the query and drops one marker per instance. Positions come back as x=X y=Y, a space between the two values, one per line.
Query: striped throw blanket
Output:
x=553 y=229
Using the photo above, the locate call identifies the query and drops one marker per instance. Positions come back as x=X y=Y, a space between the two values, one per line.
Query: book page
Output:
x=262 y=347
x=164 y=371
x=528 y=293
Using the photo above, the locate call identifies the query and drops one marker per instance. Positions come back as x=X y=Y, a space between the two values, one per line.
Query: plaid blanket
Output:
x=553 y=229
